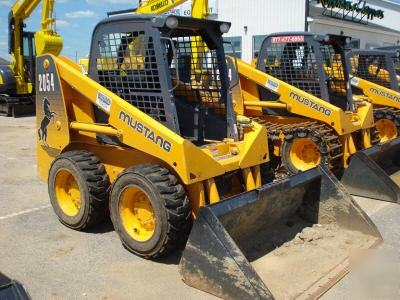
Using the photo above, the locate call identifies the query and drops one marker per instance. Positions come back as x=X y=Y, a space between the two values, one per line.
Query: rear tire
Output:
x=150 y=210
x=78 y=188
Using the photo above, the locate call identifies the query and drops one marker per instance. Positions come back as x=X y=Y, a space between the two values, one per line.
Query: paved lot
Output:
x=54 y=262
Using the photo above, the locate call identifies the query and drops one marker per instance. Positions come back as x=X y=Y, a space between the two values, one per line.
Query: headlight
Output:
x=224 y=27
x=172 y=22
x=348 y=40
x=326 y=38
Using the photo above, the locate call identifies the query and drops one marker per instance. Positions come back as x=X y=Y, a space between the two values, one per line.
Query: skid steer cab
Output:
x=150 y=138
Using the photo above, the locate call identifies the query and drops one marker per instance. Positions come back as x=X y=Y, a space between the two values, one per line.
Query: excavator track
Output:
x=327 y=140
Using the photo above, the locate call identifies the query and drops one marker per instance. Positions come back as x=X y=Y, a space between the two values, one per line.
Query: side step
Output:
x=375 y=172
x=290 y=239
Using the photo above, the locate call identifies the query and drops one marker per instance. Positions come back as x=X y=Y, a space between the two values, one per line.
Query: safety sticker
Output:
x=103 y=101
x=272 y=85
x=355 y=81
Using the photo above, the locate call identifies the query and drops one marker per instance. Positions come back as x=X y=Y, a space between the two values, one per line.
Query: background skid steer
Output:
x=373 y=77
x=316 y=64
x=159 y=133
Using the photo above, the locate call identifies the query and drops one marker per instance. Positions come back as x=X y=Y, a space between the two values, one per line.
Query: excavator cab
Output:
x=12 y=100
x=29 y=54
x=173 y=74
x=27 y=48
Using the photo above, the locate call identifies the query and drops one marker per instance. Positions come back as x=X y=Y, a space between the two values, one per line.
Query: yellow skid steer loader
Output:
x=373 y=78
x=153 y=138
x=300 y=90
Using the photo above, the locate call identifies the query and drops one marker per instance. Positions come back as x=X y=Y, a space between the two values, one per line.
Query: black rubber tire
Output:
x=93 y=183
x=170 y=204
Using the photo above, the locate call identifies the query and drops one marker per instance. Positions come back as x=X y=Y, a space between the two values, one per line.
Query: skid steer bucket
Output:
x=375 y=172
x=290 y=239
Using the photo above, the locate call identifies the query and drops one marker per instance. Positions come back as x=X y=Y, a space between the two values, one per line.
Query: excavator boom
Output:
x=199 y=7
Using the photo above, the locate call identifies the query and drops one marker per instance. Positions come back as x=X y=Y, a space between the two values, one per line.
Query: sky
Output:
x=76 y=20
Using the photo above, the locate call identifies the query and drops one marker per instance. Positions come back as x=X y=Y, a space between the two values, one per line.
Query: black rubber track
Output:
x=97 y=183
x=328 y=145
x=174 y=200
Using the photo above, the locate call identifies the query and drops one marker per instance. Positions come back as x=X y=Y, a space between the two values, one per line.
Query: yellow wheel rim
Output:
x=67 y=193
x=304 y=154
x=137 y=214
x=387 y=130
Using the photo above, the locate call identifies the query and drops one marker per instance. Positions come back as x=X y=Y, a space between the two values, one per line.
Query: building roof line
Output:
x=360 y=27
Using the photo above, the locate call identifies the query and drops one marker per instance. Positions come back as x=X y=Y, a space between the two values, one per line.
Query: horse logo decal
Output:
x=49 y=116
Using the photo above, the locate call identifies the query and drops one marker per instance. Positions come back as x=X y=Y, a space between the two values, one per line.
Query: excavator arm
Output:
x=199 y=7
x=46 y=40
x=199 y=10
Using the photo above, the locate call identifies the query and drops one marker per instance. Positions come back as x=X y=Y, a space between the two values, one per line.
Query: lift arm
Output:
x=295 y=101
x=46 y=39
x=377 y=94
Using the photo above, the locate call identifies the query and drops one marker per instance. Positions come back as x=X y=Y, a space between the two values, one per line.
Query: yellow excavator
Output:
x=17 y=81
x=151 y=138
x=301 y=92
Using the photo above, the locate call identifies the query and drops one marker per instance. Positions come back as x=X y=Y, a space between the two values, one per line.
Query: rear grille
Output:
x=127 y=66
x=372 y=68
x=294 y=63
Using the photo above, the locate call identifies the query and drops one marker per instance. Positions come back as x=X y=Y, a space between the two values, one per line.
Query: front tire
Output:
x=78 y=188
x=150 y=210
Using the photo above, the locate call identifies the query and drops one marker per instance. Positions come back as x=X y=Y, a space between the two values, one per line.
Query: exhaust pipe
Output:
x=284 y=240
x=375 y=172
